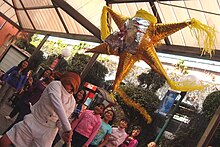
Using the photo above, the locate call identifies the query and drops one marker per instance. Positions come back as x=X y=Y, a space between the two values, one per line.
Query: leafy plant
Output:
x=190 y=135
x=147 y=98
x=180 y=65
x=151 y=80
x=96 y=74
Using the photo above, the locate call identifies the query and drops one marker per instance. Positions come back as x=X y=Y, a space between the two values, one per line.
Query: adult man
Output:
x=40 y=127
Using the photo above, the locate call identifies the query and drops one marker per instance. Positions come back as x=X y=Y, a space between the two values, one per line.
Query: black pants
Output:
x=57 y=139
x=78 y=140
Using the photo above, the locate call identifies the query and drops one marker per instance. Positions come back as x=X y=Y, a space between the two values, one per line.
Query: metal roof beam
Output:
x=61 y=18
x=154 y=9
x=78 y=17
x=89 y=38
x=18 y=18
x=194 y=52
x=27 y=14
x=10 y=21
x=9 y=4
x=133 y=1
x=36 y=8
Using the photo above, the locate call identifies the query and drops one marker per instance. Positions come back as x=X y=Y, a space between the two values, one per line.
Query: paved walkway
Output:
x=4 y=123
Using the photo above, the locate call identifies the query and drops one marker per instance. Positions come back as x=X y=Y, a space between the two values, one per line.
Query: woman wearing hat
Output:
x=40 y=127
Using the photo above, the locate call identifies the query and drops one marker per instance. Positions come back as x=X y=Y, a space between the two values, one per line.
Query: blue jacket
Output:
x=14 y=79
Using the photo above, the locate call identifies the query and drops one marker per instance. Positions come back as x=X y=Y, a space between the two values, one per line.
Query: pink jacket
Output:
x=117 y=137
x=87 y=125
x=130 y=142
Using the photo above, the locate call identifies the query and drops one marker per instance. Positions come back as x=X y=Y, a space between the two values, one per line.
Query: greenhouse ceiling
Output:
x=80 y=19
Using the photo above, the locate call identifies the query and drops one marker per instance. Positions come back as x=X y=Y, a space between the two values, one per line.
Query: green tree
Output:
x=190 y=135
x=24 y=43
x=147 y=98
x=151 y=80
x=37 y=59
x=96 y=74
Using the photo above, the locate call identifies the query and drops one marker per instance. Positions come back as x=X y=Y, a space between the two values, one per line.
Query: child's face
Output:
x=123 y=124
x=80 y=95
x=99 y=109
x=151 y=144
x=135 y=132
x=108 y=115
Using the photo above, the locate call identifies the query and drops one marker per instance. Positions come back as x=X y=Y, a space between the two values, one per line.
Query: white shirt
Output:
x=54 y=104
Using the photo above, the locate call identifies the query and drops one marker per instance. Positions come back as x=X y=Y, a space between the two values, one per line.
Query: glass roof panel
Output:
x=33 y=3
x=46 y=19
x=72 y=25
x=25 y=22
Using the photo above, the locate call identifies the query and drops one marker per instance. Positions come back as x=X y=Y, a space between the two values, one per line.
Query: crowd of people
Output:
x=50 y=108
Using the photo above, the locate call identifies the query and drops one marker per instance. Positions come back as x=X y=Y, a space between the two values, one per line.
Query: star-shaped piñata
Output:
x=136 y=39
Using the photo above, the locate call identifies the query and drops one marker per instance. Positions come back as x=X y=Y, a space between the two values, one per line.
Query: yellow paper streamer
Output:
x=207 y=31
x=128 y=101
x=145 y=15
x=105 y=32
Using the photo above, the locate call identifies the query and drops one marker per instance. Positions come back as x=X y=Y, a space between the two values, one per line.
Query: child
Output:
x=131 y=140
x=118 y=134
x=86 y=127
x=104 y=131
x=151 y=144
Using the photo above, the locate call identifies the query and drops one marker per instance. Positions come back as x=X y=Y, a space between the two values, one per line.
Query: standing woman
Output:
x=14 y=80
x=46 y=74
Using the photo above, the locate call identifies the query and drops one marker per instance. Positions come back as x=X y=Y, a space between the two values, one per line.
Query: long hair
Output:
x=45 y=71
x=24 y=71
x=20 y=64
x=84 y=96
x=113 y=117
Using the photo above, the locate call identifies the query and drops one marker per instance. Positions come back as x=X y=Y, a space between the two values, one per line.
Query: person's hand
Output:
x=2 y=82
x=84 y=145
x=114 y=143
x=67 y=136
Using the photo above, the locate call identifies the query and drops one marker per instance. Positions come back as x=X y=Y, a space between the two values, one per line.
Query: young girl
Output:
x=118 y=134
x=131 y=140
x=14 y=80
x=104 y=131
x=86 y=127
x=79 y=97
x=151 y=144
